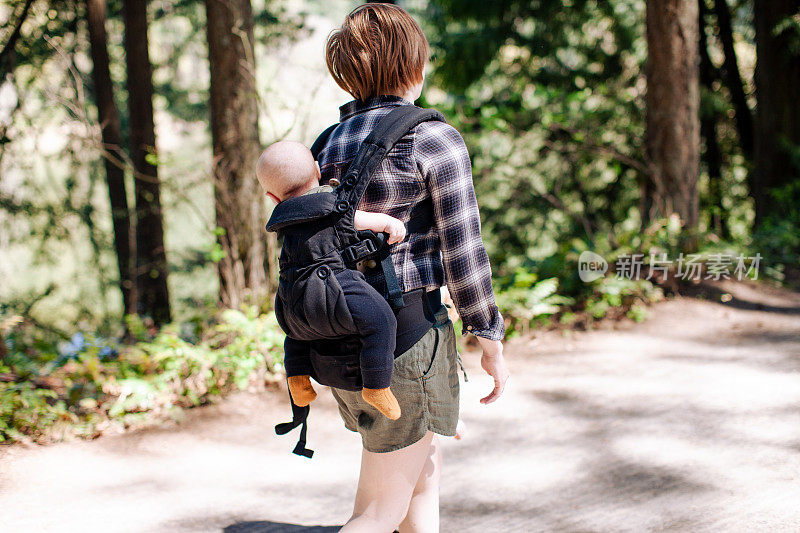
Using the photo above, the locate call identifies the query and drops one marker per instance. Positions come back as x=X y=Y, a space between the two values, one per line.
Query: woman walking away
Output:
x=378 y=56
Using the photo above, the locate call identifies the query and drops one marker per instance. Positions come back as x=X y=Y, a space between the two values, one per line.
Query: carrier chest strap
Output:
x=355 y=253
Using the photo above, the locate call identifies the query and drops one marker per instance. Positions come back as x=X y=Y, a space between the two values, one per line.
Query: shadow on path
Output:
x=266 y=526
x=743 y=296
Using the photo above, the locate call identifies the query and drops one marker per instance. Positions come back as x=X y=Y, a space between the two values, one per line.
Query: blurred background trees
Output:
x=113 y=156
x=673 y=102
x=777 y=79
x=130 y=129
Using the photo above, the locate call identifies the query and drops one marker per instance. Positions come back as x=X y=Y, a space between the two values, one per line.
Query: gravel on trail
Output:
x=689 y=422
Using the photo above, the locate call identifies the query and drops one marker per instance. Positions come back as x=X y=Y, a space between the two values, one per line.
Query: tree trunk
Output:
x=777 y=111
x=239 y=201
x=712 y=154
x=112 y=145
x=7 y=53
x=151 y=258
x=733 y=79
x=673 y=126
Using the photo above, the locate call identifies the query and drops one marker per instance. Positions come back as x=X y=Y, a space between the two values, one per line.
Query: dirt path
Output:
x=688 y=422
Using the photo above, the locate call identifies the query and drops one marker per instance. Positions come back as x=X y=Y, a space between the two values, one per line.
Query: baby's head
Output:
x=287 y=169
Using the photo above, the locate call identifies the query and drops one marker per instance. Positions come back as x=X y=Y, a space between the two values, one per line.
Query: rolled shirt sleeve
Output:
x=444 y=163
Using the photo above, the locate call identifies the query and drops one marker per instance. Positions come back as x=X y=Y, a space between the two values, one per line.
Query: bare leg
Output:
x=385 y=487
x=423 y=511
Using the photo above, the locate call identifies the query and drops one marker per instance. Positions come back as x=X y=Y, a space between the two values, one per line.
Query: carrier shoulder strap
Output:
x=390 y=129
x=380 y=141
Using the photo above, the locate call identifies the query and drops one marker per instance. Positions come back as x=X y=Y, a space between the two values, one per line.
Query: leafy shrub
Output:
x=552 y=289
x=778 y=239
x=86 y=386
x=525 y=298
x=26 y=409
x=622 y=295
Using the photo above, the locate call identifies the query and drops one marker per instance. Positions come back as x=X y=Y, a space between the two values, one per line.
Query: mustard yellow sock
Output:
x=383 y=400
x=301 y=390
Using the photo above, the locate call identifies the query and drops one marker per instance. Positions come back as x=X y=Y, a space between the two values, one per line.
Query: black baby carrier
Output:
x=320 y=240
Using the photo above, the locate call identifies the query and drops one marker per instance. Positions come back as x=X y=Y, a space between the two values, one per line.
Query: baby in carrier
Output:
x=287 y=170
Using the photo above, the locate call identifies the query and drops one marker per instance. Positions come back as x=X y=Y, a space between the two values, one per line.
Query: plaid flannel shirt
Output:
x=430 y=161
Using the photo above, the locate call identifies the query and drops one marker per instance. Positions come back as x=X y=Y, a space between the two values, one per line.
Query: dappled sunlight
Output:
x=603 y=194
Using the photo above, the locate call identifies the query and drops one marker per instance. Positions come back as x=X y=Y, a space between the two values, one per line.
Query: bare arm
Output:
x=381 y=223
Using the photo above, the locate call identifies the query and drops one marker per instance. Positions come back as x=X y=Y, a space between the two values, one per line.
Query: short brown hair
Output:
x=378 y=50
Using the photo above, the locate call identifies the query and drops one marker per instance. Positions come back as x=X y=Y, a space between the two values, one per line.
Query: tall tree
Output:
x=733 y=79
x=111 y=136
x=672 y=100
x=777 y=76
x=3 y=350
x=151 y=258
x=712 y=155
x=239 y=203
x=7 y=52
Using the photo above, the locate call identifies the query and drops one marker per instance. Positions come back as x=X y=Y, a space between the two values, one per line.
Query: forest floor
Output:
x=689 y=421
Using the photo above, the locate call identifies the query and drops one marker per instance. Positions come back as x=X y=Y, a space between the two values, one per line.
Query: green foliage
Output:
x=523 y=298
x=637 y=313
x=25 y=410
x=778 y=238
x=87 y=386
x=550 y=99
x=617 y=293
x=548 y=96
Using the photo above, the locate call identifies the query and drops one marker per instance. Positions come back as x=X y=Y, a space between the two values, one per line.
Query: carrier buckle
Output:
x=357 y=252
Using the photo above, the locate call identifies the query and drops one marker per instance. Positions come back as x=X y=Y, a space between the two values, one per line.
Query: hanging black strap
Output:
x=299 y=416
x=392 y=284
x=370 y=244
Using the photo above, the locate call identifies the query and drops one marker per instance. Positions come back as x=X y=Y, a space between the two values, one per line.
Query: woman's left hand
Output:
x=493 y=362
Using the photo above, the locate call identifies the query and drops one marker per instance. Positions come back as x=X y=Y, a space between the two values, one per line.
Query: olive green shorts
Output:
x=425 y=382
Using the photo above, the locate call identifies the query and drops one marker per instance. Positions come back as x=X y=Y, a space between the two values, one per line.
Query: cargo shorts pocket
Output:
x=428 y=357
x=412 y=364
x=443 y=343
